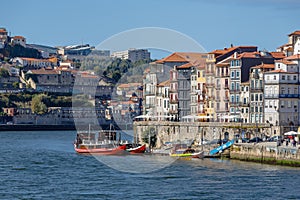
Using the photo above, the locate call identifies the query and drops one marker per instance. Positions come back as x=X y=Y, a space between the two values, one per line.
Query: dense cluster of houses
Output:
x=235 y=84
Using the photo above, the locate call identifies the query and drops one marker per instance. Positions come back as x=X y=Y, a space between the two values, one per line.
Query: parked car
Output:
x=255 y=139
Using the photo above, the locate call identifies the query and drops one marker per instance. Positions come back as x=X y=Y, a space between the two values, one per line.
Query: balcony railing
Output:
x=173 y=101
x=259 y=89
x=271 y=95
x=288 y=95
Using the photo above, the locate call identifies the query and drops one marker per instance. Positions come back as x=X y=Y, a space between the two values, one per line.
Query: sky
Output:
x=214 y=24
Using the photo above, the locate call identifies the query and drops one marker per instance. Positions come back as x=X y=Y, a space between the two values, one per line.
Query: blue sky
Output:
x=212 y=23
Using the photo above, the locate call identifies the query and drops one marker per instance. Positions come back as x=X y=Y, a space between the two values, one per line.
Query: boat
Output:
x=101 y=143
x=221 y=148
x=135 y=148
x=189 y=152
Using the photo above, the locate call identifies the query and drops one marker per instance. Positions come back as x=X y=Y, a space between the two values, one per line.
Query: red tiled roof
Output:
x=295 y=33
x=227 y=50
x=286 y=62
x=165 y=83
x=264 y=66
x=43 y=71
x=185 y=66
x=18 y=37
x=277 y=55
x=293 y=57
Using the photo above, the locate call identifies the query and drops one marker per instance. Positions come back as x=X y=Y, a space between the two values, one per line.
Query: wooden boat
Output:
x=187 y=153
x=135 y=148
x=102 y=143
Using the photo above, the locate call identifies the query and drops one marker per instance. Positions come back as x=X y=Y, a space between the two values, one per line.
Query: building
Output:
x=256 y=99
x=34 y=63
x=19 y=40
x=217 y=80
x=281 y=93
x=132 y=54
x=239 y=70
x=162 y=100
x=3 y=37
x=289 y=48
x=244 y=103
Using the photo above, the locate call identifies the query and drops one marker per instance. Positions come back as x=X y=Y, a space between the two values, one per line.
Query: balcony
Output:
x=242 y=104
x=148 y=93
x=234 y=104
x=173 y=101
x=271 y=96
x=234 y=91
x=209 y=72
x=226 y=87
x=288 y=95
x=256 y=89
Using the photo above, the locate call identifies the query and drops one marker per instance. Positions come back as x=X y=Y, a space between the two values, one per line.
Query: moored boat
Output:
x=101 y=143
x=189 y=152
x=135 y=148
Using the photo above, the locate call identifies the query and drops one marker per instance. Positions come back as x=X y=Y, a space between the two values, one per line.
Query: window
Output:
x=252 y=97
x=295 y=78
x=247 y=89
x=247 y=110
x=252 y=109
x=237 y=86
x=282 y=104
x=237 y=74
x=256 y=109
x=274 y=77
x=256 y=97
x=237 y=98
x=232 y=74
x=288 y=78
x=260 y=109
x=260 y=97
x=232 y=86
x=289 y=104
x=232 y=98
x=283 y=77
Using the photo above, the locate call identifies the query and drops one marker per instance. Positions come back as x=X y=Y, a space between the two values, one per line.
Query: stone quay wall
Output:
x=268 y=153
x=167 y=131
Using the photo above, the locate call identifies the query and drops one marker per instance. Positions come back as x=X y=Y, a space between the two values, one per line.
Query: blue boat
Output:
x=221 y=148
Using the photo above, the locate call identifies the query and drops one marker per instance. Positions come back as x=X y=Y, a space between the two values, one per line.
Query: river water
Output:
x=43 y=165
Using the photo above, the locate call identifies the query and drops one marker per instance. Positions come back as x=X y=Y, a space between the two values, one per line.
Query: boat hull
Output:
x=101 y=151
x=138 y=149
x=190 y=155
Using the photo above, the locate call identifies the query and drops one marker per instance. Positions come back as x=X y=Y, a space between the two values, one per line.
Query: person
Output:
x=286 y=143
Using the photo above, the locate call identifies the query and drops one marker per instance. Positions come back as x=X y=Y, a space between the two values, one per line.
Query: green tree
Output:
x=37 y=105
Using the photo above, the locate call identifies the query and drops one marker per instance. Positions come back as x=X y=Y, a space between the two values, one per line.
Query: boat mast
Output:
x=90 y=132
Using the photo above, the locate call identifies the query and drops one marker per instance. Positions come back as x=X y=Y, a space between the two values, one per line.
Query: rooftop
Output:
x=295 y=33
x=264 y=66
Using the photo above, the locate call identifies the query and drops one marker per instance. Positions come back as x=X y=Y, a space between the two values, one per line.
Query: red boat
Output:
x=102 y=143
x=103 y=149
x=135 y=148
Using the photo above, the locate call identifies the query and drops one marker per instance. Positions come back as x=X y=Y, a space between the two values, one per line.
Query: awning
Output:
x=291 y=133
